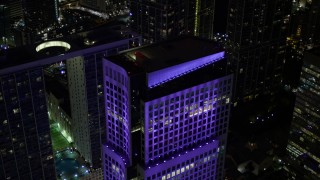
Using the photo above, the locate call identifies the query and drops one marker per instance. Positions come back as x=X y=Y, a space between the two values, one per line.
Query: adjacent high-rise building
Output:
x=160 y=20
x=167 y=111
x=303 y=35
x=30 y=17
x=26 y=148
x=257 y=33
x=304 y=138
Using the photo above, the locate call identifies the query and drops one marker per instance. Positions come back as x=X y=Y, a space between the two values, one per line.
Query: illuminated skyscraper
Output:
x=257 y=33
x=303 y=146
x=26 y=148
x=167 y=111
x=160 y=20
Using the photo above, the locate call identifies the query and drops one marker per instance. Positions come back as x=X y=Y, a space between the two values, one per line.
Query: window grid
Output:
x=180 y=120
x=202 y=166
x=118 y=130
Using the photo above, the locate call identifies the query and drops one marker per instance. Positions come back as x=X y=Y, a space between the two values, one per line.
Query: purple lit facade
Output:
x=161 y=76
x=183 y=130
x=117 y=105
x=193 y=117
x=199 y=163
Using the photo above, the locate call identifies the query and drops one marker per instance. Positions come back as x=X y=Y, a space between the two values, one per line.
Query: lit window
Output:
x=16 y=111
x=39 y=79
x=241 y=70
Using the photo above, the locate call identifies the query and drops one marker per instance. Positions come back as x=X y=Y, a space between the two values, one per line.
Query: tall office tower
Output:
x=257 y=37
x=160 y=20
x=85 y=78
x=304 y=138
x=26 y=150
x=24 y=129
x=167 y=111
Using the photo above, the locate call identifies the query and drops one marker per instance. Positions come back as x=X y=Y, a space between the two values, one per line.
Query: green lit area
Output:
x=59 y=142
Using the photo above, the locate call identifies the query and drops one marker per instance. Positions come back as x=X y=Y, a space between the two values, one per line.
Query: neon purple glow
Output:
x=117 y=108
x=185 y=164
x=182 y=132
x=161 y=76
x=117 y=168
x=190 y=116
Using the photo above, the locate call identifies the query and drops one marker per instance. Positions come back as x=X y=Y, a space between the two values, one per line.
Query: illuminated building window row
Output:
x=293 y=151
x=166 y=140
x=298 y=151
x=117 y=117
x=310 y=134
x=179 y=172
x=311 y=72
x=114 y=169
x=199 y=166
x=118 y=138
x=310 y=116
x=297 y=147
x=183 y=110
x=116 y=76
x=309 y=82
x=307 y=119
x=177 y=121
x=315 y=68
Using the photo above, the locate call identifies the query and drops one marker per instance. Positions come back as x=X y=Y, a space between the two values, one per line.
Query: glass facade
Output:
x=178 y=121
x=26 y=147
x=117 y=152
x=86 y=73
x=303 y=145
x=256 y=44
x=158 y=20
x=200 y=163
x=182 y=122
x=182 y=131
